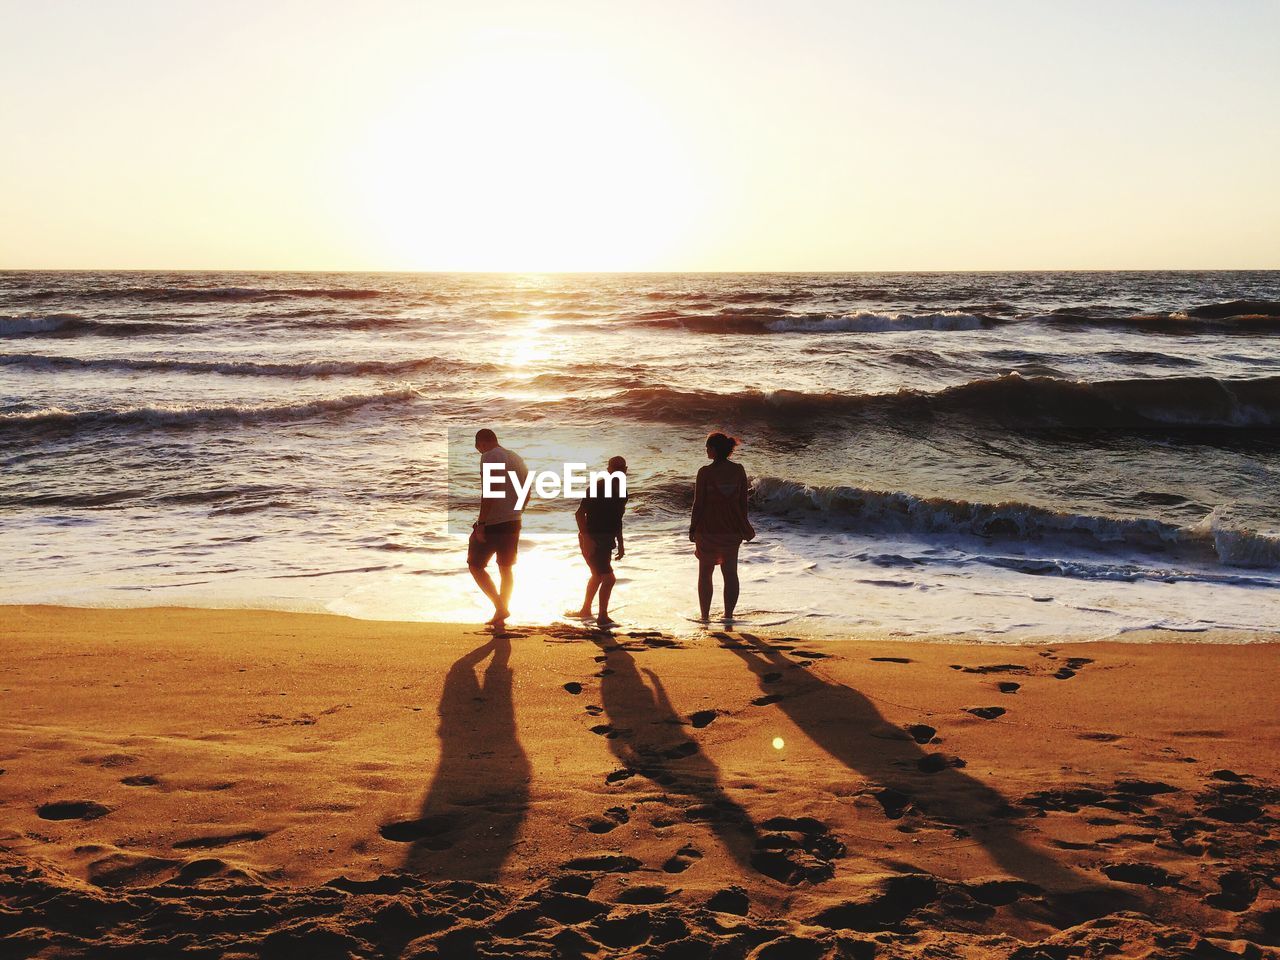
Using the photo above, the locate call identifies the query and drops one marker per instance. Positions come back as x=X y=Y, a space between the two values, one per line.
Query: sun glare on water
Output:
x=523 y=156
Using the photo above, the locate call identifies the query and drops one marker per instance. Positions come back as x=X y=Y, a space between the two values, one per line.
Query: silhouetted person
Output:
x=599 y=517
x=476 y=803
x=719 y=522
x=496 y=532
x=652 y=741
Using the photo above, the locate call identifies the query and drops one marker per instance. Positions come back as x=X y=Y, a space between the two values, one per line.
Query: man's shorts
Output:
x=598 y=552
x=501 y=540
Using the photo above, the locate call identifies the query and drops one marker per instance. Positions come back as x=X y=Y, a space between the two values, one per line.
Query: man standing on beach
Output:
x=496 y=532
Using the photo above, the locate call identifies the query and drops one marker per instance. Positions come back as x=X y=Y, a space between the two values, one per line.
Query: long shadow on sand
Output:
x=476 y=803
x=648 y=737
x=847 y=725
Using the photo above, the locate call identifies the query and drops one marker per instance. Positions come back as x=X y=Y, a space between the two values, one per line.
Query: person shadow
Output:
x=479 y=794
x=648 y=737
x=848 y=727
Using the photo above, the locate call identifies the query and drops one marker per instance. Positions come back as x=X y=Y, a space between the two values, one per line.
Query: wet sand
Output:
x=225 y=782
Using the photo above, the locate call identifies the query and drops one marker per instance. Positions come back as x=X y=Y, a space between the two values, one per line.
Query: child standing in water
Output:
x=719 y=523
x=599 y=518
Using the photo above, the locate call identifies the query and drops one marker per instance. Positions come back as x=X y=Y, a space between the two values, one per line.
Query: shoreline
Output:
x=629 y=792
x=1130 y=635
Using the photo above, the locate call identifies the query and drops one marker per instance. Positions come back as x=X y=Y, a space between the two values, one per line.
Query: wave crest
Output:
x=50 y=420
x=1166 y=402
x=247 y=368
x=905 y=512
x=70 y=324
x=208 y=294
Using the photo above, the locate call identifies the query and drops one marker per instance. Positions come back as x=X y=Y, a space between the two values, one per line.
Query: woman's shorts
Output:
x=717 y=548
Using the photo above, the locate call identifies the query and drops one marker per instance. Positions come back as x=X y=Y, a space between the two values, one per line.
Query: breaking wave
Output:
x=767 y=320
x=1234 y=316
x=904 y=512
x=69 y=325
x=1167 y=402
x=198 y=294
x=307 y=368
x=51 y=420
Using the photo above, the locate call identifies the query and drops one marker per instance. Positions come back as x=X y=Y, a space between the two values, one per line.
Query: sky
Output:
x=548 y=135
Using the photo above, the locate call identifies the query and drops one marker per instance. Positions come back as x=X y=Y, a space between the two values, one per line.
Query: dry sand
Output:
x=220 y=783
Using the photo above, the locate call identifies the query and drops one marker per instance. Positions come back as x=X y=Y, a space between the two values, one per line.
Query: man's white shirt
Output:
x=494 y=510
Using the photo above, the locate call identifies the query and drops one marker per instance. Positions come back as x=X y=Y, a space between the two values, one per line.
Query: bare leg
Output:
x=485 y=583
x=508 y=580
x=729 y=570
x=593 y=584
x=606 y=589
x=705 y=590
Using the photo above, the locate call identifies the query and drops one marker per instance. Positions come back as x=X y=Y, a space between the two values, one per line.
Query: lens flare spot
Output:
x=778 y=743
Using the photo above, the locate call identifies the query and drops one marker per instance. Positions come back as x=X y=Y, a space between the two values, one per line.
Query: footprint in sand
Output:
x=644 y=894
x=610 y=820
x=986 y=713
x=72 y=810
x=141 y=780
x=766 y=700
x=702 y=718
x=892 y=660
x=1074 y=666
x=937 y=762
x=894 y=802
x=427 y=832
x=1234 y=812
x=992 y=668
x=1239 y=890
x=794 y=850
x=732 y=900
x=573 y=687
x=1143 y=874
x=682 y=859
x=574 y=883
x=921 y=732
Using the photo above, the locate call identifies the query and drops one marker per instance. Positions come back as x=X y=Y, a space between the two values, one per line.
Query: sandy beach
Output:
x=221 y=783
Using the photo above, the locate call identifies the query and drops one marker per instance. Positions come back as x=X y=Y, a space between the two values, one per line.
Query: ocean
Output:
x=1015 y=455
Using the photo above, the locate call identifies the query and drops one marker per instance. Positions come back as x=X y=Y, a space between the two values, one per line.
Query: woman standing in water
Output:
x=719 y=523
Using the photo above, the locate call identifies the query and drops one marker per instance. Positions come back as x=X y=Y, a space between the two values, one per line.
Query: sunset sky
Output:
x=690 y=135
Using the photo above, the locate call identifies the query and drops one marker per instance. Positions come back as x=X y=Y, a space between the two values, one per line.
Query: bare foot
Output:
x=584 y=614
x=605 y=622
x=498 y=619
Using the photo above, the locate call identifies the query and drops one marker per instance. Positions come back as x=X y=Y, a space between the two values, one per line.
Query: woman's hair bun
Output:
x=721 y=444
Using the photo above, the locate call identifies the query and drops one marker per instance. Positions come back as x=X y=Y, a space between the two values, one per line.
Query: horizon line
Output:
x=750 y=272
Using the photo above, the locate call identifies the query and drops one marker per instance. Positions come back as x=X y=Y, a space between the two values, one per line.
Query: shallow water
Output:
x=1018 y=454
